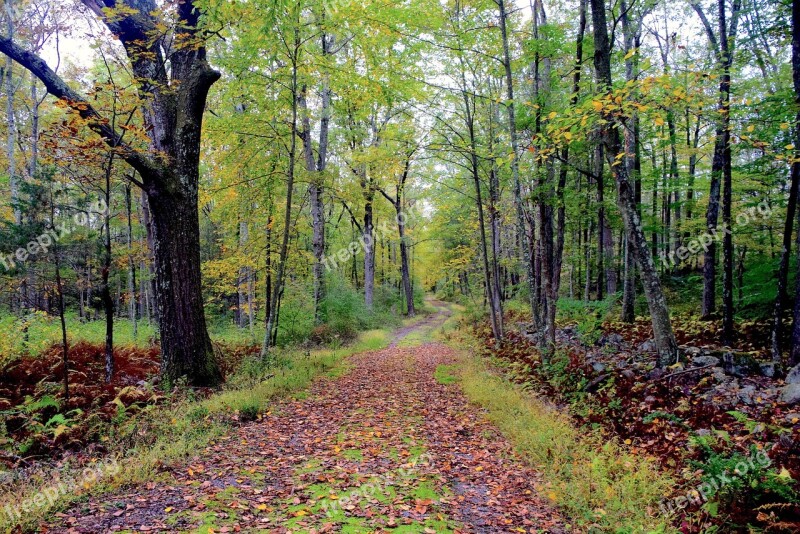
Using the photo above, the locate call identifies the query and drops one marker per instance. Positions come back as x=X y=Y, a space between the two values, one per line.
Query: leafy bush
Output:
x=343 y=310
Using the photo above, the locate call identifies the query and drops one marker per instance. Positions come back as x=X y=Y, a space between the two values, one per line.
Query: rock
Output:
x=790 y=394
x=794 y=375
x=705 y=361
x=598 y=367
x=741 y=365
x=656 y=373
x=612 y=339
x=650 y=399
x=719 y=374
x=770 y=370
x=648 y=346
x=746 y=394
x=569 y=331
x=627 y=373
x=692 y=351
x=703 y=432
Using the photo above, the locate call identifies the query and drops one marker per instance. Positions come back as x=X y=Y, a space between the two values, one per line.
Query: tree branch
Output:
x=149 y=169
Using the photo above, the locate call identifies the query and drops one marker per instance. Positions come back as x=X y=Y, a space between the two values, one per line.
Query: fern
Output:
x=48 y=401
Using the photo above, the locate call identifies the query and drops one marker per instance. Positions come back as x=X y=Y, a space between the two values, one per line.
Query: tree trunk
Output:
x=795 y=347
x=525 y=251
x=317 y=187
x=368 y=238
x=277 y=290
x=720 y=168
x=632 y=35
x=662 y=327
x=11 y=139
x=132 y=297
x=108 y=304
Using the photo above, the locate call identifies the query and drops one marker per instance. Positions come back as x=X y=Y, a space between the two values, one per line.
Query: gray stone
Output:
x=770 y=370
x=790 y=394
x=746 y=394
x=692 y=351
x=648 y=346
x=741 y=365
x=627 y=373
x=794 y=375
x=598 y=367
x=705 y=361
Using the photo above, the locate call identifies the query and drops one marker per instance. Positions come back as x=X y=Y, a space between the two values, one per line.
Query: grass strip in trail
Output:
x=147 y=443
x=599 y=485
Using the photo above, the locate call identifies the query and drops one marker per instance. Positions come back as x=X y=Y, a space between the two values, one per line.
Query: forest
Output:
x=419 y=266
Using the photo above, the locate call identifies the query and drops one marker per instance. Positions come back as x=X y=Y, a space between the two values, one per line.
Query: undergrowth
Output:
x=600 y=485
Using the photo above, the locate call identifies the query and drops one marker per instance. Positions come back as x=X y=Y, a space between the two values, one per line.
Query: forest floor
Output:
x=390 y=446
x=699 y=419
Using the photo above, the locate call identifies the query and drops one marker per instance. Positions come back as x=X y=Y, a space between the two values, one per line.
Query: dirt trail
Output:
x=426 y=326
x=386 y=448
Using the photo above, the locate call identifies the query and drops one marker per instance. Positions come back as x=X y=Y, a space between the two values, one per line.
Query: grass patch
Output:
x=599 y=484
x=444 y=374
x=164 y=435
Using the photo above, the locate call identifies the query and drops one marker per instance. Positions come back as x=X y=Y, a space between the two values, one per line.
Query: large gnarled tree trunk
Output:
x=174 y=81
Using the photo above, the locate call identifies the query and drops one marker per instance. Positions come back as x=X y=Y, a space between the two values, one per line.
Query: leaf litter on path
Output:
x=384 y=448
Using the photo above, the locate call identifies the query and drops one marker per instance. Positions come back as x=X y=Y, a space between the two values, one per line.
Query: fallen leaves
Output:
x=383 y=447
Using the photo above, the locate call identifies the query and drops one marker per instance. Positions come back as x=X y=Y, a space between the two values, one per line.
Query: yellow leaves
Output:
x=784 y=474
x=659 y=121
x=598 y=106
x=631 y=53
x=789 y=147
x=261 y=507
x=552 y=115
x=168 y=509
x=784 y=126
x=568 y=136
x=751 y=129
